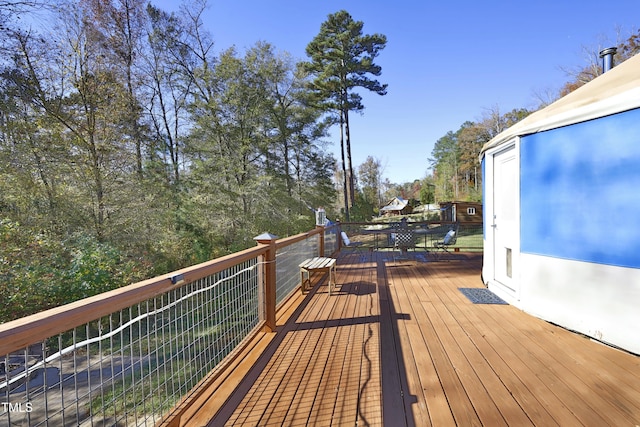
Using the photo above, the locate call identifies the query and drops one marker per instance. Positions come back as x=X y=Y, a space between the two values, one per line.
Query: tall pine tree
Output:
x=342 y=59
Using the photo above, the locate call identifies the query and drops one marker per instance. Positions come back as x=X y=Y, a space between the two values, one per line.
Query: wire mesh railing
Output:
x=131 y=366
x=288 y=258
x=331 y=240
x=129 y=356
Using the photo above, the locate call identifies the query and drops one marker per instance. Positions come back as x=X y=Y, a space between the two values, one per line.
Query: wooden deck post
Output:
x=320 y=240
x=267 y=294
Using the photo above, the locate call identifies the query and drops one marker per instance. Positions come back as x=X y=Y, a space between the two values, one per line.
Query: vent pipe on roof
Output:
x=607 y=58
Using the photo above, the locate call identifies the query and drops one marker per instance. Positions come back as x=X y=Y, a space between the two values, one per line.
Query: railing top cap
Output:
x=265 y=236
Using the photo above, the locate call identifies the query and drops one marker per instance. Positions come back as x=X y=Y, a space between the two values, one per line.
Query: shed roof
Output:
x=612 y=92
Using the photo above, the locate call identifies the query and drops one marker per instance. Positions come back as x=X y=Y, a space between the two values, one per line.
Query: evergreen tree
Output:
x=342 y=59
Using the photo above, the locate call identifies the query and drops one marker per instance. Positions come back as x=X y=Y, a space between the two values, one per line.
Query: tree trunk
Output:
x=344 y=169
x=352 y=190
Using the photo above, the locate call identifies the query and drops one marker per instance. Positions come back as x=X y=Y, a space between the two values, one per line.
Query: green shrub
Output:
x=39 y=271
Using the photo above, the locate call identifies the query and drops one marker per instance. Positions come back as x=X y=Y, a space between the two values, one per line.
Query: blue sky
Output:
x=445 y=62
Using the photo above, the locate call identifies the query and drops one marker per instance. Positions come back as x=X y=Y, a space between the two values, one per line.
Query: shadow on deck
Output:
x=399 y=344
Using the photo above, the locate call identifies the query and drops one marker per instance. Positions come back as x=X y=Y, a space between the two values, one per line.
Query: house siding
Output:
x=461 y=209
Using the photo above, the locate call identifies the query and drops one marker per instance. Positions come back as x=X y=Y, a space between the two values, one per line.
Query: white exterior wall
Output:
x=594 y=299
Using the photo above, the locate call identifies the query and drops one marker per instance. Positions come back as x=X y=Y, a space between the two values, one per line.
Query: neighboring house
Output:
x=548 y=247
x=461 y=212
x=397 y=206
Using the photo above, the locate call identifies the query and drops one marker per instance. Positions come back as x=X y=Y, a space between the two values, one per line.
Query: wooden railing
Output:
x=128 y=356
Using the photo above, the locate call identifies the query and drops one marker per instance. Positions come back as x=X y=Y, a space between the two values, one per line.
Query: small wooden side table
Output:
x=317 y=264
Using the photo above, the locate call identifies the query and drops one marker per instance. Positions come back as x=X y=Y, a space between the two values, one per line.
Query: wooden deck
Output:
x=399 y=344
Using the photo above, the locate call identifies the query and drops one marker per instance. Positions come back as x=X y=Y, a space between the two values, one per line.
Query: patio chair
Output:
x=405 y=239
x=346 y=242
x=447 y=241
x=395 y=226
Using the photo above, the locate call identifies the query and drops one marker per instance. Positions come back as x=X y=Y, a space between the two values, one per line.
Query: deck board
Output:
x=552 y=362
x=392 y=363
x=496 y=353
x=399 y=344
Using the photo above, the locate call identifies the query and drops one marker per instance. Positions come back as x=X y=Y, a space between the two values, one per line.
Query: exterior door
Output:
x=505 y=218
